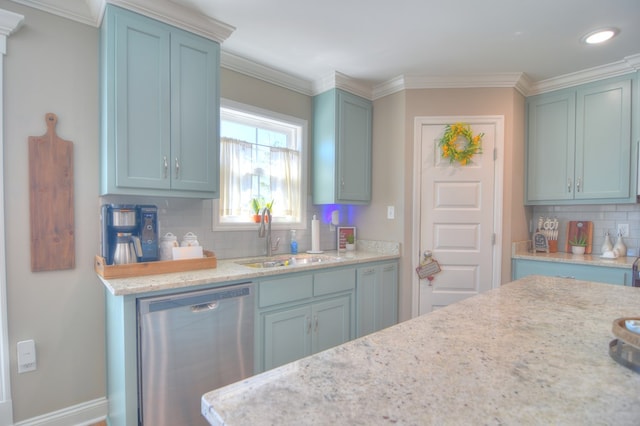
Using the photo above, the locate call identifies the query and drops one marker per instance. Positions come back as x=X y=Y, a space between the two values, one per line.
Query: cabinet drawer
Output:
x=524 y=267
x=334 y=281
x=283 y=290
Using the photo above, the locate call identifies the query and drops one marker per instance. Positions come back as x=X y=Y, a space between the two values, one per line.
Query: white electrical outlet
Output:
x=623 y=229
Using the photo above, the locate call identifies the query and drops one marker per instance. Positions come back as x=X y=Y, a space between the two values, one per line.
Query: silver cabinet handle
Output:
x=578 y=184
x=316 y=326
x=569 y=184
x=308 y=325
x=166 y=166
x=177 y=168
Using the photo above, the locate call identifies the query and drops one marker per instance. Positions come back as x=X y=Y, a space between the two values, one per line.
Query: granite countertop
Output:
x=534 y=351
x=520 y=250
x=232 y=270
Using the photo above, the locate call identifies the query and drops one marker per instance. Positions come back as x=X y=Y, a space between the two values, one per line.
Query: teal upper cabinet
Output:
x=342 y=124
x=160 y=109
x=579 y=148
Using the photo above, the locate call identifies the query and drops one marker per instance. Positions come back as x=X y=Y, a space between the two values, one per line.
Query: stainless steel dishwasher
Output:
x=189 y=344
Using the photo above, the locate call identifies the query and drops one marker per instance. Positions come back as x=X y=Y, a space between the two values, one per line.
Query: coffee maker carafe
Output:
x=129 y=233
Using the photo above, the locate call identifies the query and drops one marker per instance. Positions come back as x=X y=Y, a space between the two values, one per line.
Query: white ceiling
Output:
x=376 y=41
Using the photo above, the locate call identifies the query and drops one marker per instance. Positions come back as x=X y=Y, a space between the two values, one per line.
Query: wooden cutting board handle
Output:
x=51 y=200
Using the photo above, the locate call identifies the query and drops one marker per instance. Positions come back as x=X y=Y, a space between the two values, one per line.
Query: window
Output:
x=262 y=154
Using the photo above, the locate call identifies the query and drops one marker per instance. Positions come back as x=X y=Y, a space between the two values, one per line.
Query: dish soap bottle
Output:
x=620 y=248
x=607 y=246
x=294 y=243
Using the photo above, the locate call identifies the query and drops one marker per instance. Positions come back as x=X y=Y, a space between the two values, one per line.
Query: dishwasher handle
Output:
x=204 y=307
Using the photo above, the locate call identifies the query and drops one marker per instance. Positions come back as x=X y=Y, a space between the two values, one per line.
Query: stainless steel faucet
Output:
x=262 y=233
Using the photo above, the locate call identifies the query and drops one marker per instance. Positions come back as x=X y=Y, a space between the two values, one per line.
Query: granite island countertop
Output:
x=232 y=270
x=534 y=351
x=520 y=250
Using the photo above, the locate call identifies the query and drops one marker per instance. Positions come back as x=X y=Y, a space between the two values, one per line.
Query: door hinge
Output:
x=495 y=154
x=493 y=239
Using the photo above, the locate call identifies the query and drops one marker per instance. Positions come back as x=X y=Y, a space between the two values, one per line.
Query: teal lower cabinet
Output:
x=605 y=274
x=376 y=297
x=302 y=314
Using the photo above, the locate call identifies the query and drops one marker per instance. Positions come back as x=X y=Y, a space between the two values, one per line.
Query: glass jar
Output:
x=167 y=243
x=189 y=240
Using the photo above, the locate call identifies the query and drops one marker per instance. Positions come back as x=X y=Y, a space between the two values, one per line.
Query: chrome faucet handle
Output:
x=274 y=247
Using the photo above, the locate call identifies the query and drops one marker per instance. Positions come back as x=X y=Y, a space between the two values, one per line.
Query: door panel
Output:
x=457 y=218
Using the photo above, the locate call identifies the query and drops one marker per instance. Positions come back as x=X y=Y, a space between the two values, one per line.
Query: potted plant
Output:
x=351 y=242
x=578 y=244
x=257 y=204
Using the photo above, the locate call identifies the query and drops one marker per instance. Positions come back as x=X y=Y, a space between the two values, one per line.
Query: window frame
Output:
x=304 y=150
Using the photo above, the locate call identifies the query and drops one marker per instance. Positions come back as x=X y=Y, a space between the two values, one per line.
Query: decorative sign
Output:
x=540 y=243
x=343 y=233
x=429 y=269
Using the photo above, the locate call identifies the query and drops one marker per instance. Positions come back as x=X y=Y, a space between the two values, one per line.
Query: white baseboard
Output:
x=84 y=414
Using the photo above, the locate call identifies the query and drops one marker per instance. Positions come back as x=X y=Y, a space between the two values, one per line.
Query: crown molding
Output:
x=88 y=12
x=519 y=81
x=173 y=14
x=342 y=81
x=261 y=72
x=10 y=22
x=628 y=65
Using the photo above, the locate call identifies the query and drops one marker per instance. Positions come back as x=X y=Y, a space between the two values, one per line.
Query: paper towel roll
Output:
x=315 y=234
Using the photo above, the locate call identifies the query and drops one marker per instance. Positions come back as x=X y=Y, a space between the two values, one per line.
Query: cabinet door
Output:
x=366 y=301
x=194 y=113
x=287 y=336
x=376 y=298
x=331 y=323
x=354 y=148
x=603 y=141
x=139 y=138
x=388 y=295
x=550 y=147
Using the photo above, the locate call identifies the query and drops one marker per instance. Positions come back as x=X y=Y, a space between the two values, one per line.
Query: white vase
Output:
x=620 y=248
x=350 y=247
x=607 y=246
x=578 y=249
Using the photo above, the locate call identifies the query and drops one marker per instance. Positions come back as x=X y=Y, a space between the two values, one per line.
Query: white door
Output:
x=459 y=216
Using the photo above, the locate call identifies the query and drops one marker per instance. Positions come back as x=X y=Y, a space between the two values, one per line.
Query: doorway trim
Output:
x=498 y=121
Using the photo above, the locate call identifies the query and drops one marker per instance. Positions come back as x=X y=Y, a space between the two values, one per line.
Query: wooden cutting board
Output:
x=51 y=200
x=586 y=229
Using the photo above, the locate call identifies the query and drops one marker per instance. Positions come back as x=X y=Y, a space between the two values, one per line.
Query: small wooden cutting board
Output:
x=582 y=227
x=51 y=200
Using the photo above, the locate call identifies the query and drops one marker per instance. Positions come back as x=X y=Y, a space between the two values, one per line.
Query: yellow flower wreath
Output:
x=448 y=143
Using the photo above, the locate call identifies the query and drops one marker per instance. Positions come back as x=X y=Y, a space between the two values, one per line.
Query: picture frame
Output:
x=342 y=233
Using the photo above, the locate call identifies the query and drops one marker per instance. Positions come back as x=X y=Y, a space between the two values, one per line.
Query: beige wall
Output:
x=52 y=66
x=393 y=167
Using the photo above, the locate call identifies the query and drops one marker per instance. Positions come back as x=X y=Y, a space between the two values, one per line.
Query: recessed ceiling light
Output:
x=600 y=36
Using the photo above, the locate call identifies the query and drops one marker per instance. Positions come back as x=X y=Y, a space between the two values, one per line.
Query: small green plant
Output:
x=257 y=204
x=579 y=240
x=350 y=239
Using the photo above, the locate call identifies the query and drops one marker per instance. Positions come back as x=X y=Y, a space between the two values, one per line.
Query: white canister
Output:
x=167 y=243
x=189 y=240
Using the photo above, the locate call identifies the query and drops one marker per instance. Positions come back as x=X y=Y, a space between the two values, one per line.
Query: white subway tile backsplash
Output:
x=605 y=218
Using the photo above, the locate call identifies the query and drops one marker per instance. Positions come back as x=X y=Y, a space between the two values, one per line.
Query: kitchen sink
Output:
x=295 y=260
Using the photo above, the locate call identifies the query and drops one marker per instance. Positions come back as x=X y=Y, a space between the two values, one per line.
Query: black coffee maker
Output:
x=129 y=233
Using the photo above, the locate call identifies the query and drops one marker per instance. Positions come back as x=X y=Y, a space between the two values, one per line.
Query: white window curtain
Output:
x=285 y=184
x=235 y=166
x=236 y=169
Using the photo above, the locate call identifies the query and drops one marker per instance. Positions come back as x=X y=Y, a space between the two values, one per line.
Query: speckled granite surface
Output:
x=232 y=270
x=534 y=351
x=520 y=251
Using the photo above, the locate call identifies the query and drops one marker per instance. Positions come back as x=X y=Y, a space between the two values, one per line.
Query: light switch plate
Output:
x=26 y=356
x=391 y=212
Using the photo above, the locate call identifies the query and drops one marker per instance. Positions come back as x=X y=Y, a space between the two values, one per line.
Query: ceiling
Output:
x=376 y=41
